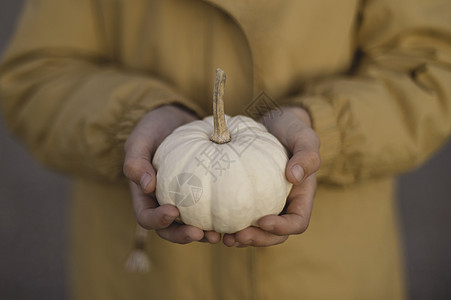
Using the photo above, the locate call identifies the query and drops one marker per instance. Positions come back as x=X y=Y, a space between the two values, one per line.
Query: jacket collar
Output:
x=264 y=24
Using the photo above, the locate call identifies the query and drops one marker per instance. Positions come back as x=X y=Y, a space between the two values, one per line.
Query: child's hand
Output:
x=139 y=150
x=293 y=129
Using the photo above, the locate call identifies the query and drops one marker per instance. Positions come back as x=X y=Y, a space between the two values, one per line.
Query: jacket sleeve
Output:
x=394 y=109
x=64 y=96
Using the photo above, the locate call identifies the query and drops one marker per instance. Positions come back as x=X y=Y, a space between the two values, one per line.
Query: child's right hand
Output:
x=139 y=148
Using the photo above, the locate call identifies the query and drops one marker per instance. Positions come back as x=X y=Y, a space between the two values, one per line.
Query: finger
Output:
x=181 y=234
x=305 y=161
x=148 y=214
x=229 y=240
x=212 y=237
x=256 y=237
x=299 y=209
x=137 y=164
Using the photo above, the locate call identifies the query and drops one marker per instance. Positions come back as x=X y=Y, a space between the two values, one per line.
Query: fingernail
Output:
x=145 y=180
x=297 y=172
x=248 y=242
x=188 y=239
x=236 y=244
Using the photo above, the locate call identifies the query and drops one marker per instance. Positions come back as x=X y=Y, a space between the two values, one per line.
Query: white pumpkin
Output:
x=223 y=186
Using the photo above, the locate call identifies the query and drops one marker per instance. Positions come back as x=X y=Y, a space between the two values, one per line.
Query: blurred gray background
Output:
x=34 y=211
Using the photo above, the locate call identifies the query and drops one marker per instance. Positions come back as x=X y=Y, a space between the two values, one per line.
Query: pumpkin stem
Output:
x=221 y=134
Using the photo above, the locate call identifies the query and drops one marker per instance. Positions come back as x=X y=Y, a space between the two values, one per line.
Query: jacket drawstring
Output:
x=138 y=260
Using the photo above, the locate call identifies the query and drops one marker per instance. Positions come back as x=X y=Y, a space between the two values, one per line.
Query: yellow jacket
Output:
x=375 y=76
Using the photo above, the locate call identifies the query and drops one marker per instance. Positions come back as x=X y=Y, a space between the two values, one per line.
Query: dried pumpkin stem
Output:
x=221 y=134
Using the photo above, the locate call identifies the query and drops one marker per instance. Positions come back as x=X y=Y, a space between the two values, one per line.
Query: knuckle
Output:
x=313 y=135
x=142 y=223
x=310 y=135
x=306 y=138
x=303 y=227
x=305 y=133
x=130 y=168
x=315 y=158
x=310 y=161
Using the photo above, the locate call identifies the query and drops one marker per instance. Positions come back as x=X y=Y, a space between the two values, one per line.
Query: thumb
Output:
x=305 y=160
x=137 y=166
